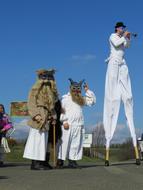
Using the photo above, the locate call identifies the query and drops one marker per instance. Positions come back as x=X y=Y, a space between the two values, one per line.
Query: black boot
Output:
x=60 y=164
x=46 y=164
x=106 y=162
x=138 y=162
x=35 y=165
x=1 y=164
x=73 y=164
x=76 y=165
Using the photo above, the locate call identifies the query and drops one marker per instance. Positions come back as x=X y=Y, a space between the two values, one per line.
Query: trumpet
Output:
x=133 y=34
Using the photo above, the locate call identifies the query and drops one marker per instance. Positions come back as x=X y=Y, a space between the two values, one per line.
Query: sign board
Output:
x=87 y=140
x=141 y=145
x=18 y=109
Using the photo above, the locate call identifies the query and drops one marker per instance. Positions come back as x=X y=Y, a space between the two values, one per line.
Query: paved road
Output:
x=118 y=176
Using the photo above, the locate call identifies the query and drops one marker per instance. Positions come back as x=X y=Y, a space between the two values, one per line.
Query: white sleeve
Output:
x=63 y=117
x=90 y=98
x=117 y=41
x=127 y=43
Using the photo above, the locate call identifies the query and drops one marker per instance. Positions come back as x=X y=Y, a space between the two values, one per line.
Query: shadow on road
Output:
x=91 y=166
x=82 y=166
x=15 y=164
x=4 y=177
x=123 y=164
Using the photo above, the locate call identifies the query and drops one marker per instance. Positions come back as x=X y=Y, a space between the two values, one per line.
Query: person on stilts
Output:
x=118 y=88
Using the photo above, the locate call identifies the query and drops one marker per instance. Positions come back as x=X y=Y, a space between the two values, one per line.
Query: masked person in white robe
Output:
x=71 y=146
x=41 y=106
x=118 y=88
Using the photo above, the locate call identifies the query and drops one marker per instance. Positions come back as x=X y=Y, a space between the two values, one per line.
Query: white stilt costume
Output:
x=117 y=89
x=72 y=139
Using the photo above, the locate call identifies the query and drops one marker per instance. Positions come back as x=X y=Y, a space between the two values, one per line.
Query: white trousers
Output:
x=36 y=145
x=71 y=146
x=117 y=89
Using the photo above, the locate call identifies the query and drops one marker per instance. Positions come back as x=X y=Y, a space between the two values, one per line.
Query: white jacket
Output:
x=117 y=47
x=73 y=114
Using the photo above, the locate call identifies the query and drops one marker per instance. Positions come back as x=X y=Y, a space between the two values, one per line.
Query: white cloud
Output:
x=22 y=125
x=21 y=129
x=86 y=58
x=122 y=132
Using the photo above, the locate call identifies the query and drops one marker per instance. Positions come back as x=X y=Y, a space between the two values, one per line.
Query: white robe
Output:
x=36 y=145
x=117 y=88
x=72 y=139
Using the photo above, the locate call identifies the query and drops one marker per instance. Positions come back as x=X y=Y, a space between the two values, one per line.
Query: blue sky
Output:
x=72 y=37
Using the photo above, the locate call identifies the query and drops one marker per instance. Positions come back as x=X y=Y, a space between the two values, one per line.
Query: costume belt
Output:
x=42 y=106
x=121 y=60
